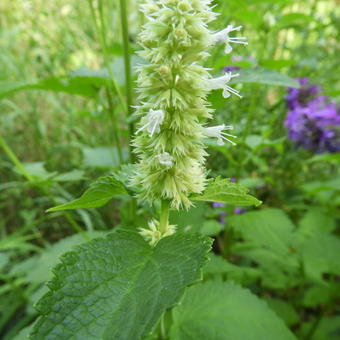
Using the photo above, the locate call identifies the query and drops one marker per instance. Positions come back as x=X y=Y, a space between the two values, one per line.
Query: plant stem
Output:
x=127 y=66
x=15 y=160
x=115 y=136
x=164 y=217
x=314 y=327
x=101 y=31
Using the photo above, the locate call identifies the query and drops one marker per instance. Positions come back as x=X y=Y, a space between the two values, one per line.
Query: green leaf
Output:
x=190 y=220
x=99 y=193
x=294 y=19
x=222 y=310
x=320 y=254
x=269 y=228
x=218 y=265
x=325 y=157
x=269 y=240
x=211 y=228
x=222 y=190
x=321 y=294
x=23 y=334
x=118 y=287
x=38 y=268
x=284 y=310
x=84 y=82
x=39 y=173
x=316 y=219
x=102 y=156
x=264 y=76
x=86 y=76
x=328 y=328
x=56 y=84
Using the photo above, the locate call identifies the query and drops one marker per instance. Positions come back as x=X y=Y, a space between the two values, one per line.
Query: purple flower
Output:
x=223 y=214
x=238 y=211
x=217 y=205
x=222 y=217
x=233 y=180
x=315 y=125
x=301 y=96
x=231 y=68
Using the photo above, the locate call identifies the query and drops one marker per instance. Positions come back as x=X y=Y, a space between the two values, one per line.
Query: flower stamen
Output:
x=220 y=83
x=218 y=132
x=223 y=36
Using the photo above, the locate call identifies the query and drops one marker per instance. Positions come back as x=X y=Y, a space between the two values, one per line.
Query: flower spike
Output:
x=223 y=37
x=175 y=84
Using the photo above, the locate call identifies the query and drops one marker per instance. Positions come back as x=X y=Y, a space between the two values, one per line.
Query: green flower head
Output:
x=173 y=86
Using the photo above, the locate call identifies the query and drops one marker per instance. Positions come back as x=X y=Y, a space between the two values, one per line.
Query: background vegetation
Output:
x=64 y=121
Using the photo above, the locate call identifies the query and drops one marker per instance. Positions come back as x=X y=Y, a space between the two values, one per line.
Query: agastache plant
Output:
x=173 y=88
x=119 y=286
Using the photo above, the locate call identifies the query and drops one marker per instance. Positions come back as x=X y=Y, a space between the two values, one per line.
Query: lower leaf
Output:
x=222 y=310
x=118 y=287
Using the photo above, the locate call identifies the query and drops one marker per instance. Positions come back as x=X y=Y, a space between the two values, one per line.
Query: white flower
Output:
x=217 y=132
x=223 y=36
x=220 y=83
x=165 y=159
x=154 y=119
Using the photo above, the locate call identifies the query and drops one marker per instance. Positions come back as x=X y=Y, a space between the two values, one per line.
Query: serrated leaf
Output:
x=264 y=76
x=99 y=193
x=118 y=287
x=269 y=240
x=222 y=310
x=320 y=253
x=222 y=190
x=268 y=228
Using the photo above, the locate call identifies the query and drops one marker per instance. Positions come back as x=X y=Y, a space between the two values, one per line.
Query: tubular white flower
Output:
x=165 y=159
x=154 y=119
x=217 y=132
x=220 y=83
x=223 y=36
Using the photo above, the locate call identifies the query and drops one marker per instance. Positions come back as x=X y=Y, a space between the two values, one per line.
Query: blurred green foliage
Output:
x=63 y=123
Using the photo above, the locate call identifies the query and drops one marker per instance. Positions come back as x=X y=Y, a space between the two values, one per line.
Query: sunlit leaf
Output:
x=222 y=190
x=264 y=76
x=222 y=310
x=118 y=287
x=99 y=193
